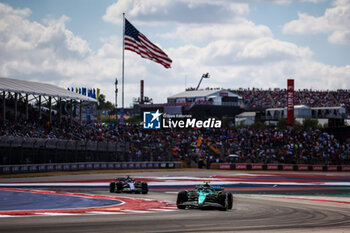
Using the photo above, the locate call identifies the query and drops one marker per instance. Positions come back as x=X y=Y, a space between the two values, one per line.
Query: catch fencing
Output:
x=28 y=154
x=283 y=167
x=33 y=168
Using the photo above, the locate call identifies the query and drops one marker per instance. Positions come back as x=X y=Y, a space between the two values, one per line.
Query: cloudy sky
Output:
x=247 y=43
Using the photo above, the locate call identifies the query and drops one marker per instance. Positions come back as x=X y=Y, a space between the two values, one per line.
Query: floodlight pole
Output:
x=50 y=109
x=4 y=107
x=203 y=76
x=116 y=92
x=27 y=115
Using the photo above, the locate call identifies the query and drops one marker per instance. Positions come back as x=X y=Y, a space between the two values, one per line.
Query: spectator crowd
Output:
x=251 y=145
x=276 y=98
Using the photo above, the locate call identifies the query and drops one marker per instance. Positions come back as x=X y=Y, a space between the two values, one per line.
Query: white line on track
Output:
x=57 y=214
x=162 y=210
x=136 y=211
x=104 y=212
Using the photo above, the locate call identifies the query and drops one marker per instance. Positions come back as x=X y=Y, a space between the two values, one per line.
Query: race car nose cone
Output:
x=201 y=199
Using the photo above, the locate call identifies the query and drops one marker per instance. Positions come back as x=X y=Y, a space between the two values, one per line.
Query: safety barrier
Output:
x=32 y=168
x=283 y=167
x=59 y=144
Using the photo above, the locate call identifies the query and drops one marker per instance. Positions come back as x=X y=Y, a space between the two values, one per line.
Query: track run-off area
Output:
x=268 y=202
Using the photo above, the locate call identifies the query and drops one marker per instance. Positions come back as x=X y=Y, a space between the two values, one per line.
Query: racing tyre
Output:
x=181 y=198
x=223 y=200
x=229 y=201
x=119 y=187
x=112 y=187
x=144 y=186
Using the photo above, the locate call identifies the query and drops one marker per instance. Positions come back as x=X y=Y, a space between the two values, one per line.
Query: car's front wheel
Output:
x=223 y=201
x=181 y=198
x=230 y=201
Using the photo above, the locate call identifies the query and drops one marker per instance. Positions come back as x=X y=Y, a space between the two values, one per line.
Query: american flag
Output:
x=138 y=43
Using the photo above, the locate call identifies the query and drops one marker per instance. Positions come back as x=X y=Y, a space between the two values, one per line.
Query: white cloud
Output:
x=335 y=22
x=236 y=54
x=268 y=50
x=243 y=30
x=340 y=37
x=34 y=44
x=181 y=11
x=313 y=1
x=111 y=48
x=261 y=61
x=47 y=52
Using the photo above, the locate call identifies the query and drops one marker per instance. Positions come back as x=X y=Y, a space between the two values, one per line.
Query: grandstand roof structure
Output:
x=194 y=93
x=198 y=93
x=36 y=88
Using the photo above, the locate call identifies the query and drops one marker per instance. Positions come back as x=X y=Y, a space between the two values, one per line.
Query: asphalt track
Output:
x=264 y=209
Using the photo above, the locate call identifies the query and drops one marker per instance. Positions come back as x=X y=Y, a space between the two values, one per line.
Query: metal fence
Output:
x=58 y=144
x=52 y=167
x=25 y=154
x=25 y=150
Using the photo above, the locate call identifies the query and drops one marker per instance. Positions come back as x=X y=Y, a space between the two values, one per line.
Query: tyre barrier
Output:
x=283 y=167
x=33 y=168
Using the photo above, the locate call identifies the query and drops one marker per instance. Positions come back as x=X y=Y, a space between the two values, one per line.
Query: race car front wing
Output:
x=197 y=205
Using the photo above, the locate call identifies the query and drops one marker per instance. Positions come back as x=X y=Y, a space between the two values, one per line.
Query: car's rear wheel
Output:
x=112 y=187
x=181 y=198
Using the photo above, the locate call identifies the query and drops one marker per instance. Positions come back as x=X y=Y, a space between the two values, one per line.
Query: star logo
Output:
x=151 y=120
x=155 y=115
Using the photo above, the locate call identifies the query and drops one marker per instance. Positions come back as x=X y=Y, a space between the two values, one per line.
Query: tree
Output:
x=282 y=124
x=309 y=123
x=258 y=125
x=103 y=105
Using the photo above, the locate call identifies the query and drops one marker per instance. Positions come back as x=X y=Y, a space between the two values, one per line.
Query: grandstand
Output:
x=200 y=104
x=267 y=104
x=40 y=128
x=20 y=97
x=303 y=111
x=277 y=98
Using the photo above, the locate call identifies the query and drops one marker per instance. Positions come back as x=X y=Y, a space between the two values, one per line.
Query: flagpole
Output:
x=122 y=110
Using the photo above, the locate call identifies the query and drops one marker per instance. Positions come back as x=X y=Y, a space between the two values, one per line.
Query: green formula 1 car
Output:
x=205 y=196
